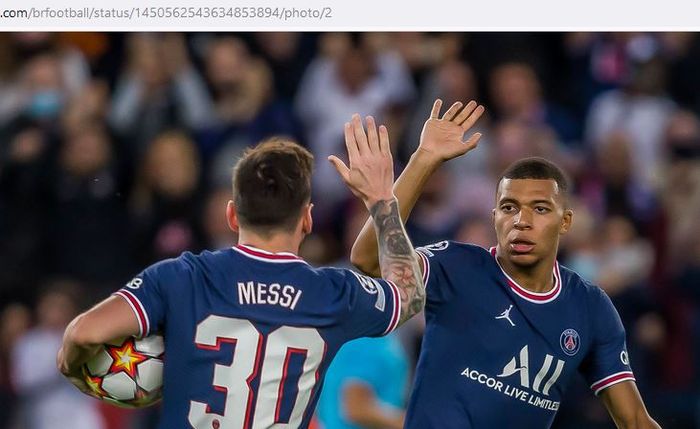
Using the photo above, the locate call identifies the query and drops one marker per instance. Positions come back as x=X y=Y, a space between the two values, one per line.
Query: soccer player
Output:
x=250 y=330
x=506 y=328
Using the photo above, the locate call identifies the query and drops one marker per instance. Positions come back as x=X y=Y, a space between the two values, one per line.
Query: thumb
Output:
x=471 y=143
x=339 y=165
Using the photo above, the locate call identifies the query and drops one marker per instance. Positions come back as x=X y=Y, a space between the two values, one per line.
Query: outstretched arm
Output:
x=440 y=141
x=625 y=405
x=370 y=177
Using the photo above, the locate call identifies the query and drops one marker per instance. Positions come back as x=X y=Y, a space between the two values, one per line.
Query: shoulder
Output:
x=188 y=264
x=340 y=276
x=448 y=249
x=592 y=293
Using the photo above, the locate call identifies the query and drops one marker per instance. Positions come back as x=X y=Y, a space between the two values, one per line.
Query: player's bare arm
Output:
x=625 y=405
x=442 y=139
x=370 y=177
x=110 y=319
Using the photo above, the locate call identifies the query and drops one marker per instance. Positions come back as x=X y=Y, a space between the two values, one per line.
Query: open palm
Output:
x=443 y=137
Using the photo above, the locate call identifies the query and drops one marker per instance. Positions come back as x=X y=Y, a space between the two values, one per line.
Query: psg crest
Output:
x=570 y=342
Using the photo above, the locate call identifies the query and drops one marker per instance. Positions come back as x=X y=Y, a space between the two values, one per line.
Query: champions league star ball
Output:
x=127 y=372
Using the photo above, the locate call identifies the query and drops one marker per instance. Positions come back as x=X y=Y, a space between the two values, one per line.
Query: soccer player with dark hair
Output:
x=506 y=328
x=249 y=331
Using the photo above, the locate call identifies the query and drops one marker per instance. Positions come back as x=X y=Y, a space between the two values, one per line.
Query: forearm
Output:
x=396 y=260
x=408 y=187
x=641 y=421
x=625 y=405
x=75 y=351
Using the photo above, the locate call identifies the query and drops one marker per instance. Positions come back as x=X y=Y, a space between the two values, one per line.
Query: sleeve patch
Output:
x=371 y=286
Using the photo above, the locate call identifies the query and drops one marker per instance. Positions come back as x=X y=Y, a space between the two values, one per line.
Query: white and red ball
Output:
x=128 y=372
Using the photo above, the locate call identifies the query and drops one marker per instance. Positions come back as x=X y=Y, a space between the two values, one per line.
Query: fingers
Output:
x=384 y=145
x=372 y=136
x=359 y=132
x=471 y=120
x=350 y=142
x=339 y=165
x=452 y=111
x=464 y=113
x=436 y=109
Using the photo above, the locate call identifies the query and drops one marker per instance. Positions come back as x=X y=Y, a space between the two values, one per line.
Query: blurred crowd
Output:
x=116 y=151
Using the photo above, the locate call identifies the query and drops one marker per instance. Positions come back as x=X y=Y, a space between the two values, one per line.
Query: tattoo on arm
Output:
x=396 y=257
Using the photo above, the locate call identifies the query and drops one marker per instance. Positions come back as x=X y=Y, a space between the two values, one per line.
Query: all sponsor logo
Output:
x=543 y=381
x=533 y=391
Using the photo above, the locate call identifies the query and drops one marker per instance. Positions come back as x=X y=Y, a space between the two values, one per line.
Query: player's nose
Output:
x=522 y=220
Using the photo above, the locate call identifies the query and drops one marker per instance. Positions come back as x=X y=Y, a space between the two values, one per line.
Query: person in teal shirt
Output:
x=365 y=386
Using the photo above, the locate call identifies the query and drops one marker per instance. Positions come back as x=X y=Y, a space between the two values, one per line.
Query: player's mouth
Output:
x=521 y=246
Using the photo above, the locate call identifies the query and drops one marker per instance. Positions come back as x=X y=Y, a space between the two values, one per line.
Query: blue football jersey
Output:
x=249 y=334
x=496 y=355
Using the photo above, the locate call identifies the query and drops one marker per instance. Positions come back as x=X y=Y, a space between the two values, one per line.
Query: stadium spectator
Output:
x=15 y=320
x=246 y=110
x=517 y=95
x=347 y=77
x=47 y=400
x=165 y=203
x=88 y=228
x=159 y=88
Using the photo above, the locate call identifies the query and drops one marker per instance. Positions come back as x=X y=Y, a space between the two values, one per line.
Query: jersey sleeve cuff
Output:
x=396 y=310
x=426 y=266
x=610 y=380
x=139 y=311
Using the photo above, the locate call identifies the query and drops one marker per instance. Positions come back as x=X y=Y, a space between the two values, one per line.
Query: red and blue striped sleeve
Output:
x=373 y=304
x=146 y=297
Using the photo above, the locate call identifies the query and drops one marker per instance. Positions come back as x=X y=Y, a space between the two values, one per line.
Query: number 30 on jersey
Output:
x=235 y=379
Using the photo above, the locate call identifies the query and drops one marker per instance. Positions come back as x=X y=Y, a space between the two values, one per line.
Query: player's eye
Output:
x=542 y=209
x=507 y=208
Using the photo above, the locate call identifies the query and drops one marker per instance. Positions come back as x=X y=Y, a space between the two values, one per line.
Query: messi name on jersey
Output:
x=274 y=294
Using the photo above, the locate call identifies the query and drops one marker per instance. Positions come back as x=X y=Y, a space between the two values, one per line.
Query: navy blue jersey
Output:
x=249 y=334
x=495 y=355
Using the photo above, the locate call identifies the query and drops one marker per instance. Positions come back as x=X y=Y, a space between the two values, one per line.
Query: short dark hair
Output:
x=271 y=183
x=537 y=168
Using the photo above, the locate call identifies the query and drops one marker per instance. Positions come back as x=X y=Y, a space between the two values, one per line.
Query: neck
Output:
x=275 y=243
x=535 y=278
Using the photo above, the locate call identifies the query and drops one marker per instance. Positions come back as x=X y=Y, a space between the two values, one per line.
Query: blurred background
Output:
x=116 y=151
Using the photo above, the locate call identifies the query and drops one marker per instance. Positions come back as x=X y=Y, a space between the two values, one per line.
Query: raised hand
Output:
x=442 y=138
x=370 y=175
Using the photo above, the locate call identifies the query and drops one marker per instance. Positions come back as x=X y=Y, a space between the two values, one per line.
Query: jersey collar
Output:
x=535 y=297
x=265 y=256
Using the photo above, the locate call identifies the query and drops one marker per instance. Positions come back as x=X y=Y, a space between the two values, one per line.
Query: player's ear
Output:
x=307 y=221
x=232 y=217
x=566 y=221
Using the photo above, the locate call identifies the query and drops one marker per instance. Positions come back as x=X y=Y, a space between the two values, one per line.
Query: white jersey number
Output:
x=234 y=379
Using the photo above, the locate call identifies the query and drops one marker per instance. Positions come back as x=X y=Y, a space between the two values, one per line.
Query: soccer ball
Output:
x=127 y=372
